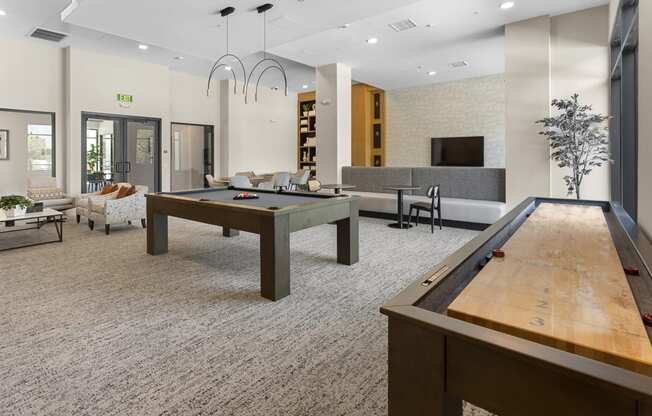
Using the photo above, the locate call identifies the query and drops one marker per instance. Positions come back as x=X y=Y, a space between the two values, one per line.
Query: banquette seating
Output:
x=468 y=195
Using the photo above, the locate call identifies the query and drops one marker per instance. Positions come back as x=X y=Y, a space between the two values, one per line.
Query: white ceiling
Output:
x=303 y=31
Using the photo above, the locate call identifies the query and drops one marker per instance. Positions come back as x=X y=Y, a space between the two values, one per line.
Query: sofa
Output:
x=473 y=197
x=44 y=189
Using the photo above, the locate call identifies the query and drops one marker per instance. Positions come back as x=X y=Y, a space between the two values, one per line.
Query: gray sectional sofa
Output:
x=468 y=195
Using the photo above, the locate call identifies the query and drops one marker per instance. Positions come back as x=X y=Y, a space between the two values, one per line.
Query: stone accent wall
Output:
x=470 y=107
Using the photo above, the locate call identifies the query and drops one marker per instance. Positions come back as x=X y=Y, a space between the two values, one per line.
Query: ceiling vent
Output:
x=459 y=64
x=49 y=35
x=403 y=25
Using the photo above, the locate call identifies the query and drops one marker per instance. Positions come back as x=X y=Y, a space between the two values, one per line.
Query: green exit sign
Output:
x=125 y=99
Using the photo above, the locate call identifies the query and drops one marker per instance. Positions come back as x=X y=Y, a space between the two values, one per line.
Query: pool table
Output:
x=274 y=215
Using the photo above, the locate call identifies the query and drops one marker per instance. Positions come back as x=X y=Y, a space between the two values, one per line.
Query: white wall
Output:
x=259 y=137
x=31 y=78
x=580 y=64
x=470 y=107
x=644 y=119
x=94 y=81
x=527 y=99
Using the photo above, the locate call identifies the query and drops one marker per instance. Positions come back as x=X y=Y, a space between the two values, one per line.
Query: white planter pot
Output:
x=15 y=212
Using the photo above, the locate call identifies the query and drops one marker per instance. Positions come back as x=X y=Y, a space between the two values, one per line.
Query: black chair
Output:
x=432 y=206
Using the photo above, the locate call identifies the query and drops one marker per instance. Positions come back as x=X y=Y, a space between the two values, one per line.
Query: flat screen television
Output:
x=457 y=151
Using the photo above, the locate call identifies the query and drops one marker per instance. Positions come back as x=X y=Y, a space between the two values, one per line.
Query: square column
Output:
x=333 y=121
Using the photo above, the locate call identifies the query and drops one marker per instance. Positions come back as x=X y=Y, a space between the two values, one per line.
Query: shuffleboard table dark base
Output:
x=436 y=361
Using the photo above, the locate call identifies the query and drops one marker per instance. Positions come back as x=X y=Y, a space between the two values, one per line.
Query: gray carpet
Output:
x=95 y=326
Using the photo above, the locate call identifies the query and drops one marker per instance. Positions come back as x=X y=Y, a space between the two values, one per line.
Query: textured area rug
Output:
x=95 y=326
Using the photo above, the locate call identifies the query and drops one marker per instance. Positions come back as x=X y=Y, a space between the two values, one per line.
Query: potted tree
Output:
x=14 y=205
x=578 y=140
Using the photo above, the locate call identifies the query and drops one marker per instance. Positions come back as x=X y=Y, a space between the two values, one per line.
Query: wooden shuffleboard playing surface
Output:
x=561 y=283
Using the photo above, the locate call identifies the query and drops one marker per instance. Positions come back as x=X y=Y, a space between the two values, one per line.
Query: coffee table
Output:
x=33 y=221
x=399 y=211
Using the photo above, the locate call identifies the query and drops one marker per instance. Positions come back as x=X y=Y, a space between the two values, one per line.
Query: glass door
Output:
x=120 y=149
x=191 y=156
x=141 y=165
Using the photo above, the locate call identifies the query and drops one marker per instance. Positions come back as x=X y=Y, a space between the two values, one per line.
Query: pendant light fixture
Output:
x=219 y=64
x=265 y=64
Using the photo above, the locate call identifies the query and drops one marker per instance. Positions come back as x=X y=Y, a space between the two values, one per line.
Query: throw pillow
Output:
x=108 y=189
x=126 y=191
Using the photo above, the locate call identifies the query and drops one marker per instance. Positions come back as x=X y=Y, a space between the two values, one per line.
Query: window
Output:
x=39 y=148
x=624 y=108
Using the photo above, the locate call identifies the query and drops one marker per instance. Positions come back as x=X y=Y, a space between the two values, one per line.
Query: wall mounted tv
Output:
x=457 y=151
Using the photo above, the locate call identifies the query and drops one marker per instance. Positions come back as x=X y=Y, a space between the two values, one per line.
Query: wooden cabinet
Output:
x=367 y=126
x=306 y=133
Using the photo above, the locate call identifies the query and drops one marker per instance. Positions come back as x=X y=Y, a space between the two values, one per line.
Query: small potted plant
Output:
x=306 y=108
x=14 y=205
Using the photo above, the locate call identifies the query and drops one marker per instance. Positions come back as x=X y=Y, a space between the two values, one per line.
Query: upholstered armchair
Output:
x=82 y=201
x=111 y=211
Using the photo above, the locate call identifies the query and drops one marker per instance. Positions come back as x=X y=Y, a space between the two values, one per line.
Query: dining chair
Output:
x=300 y=179
x=240 y=182
x=432 y=206
x=280 y=180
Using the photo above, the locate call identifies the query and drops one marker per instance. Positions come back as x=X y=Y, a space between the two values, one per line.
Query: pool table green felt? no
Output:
x=274 y=215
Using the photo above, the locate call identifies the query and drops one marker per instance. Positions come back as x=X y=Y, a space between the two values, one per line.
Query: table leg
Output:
x=399 y=213
x=348 y=237
x=275 y=258
x=157 y=232
x=337 y=191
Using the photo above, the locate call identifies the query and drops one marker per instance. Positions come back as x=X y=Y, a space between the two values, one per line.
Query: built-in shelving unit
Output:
x=306 y=133
x=367 y=126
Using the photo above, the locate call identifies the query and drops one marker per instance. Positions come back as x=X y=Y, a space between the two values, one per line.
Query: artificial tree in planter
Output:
x=578 y=140
x=14 y=205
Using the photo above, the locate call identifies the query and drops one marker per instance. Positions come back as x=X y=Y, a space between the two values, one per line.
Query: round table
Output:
x=399 y=191
x=337 y=187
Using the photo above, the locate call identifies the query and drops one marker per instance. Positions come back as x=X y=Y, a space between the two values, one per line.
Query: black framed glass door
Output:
x=191 y=156
x=120 y=149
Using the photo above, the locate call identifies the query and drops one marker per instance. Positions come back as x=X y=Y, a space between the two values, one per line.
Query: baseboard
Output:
x=424 y=220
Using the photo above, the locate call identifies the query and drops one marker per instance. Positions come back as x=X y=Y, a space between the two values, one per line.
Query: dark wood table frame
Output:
x=436 y=361
x=273 y=226
x=38 y=221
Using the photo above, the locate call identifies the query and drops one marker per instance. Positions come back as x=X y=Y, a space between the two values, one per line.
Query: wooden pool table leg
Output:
x=348 y=237
x=275 y=258
x=230 y=232
x=157 y=232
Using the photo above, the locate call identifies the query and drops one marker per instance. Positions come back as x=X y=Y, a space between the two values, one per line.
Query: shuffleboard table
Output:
x=274 y=215
x=541 y=314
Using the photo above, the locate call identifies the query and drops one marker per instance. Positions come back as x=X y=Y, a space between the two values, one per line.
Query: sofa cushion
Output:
x=485 y=184
x=41 y=181
x=454 y=209
x=42 y=194
x=376 y=179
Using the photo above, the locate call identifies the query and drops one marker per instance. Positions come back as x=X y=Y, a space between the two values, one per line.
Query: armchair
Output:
x=111 y=211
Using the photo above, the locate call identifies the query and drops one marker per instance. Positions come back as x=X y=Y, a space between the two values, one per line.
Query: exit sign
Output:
x=125 y=100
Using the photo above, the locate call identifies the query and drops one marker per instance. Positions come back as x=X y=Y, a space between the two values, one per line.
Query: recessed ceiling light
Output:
x=344 y=26
x=143 y=47
x=431 y=25
x=507 y=5
x=432 y=73
x=3 y=13
x=179 y=58
x=227 y=68
x=304 y=86
x=372 y=41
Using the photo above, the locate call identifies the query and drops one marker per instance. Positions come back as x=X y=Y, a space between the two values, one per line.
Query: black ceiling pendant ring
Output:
x=274 y=64
x=225 y=12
